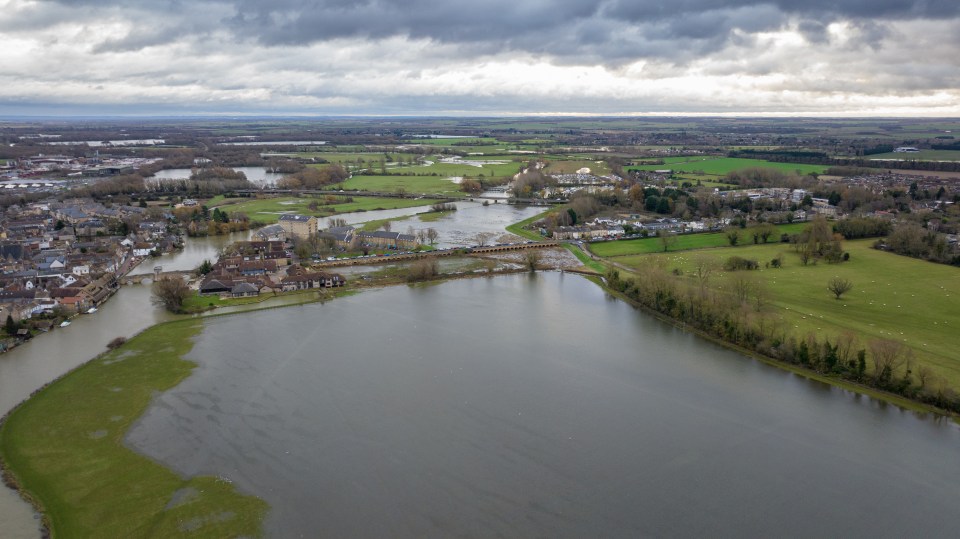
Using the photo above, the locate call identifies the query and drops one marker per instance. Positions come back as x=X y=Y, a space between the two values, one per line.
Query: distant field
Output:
x=509 y=168
x=269 y=210
x=923 y=155
x=570 y=167
x=894 y=297
x=721 y=166
x=409 y=184
x=684 y=242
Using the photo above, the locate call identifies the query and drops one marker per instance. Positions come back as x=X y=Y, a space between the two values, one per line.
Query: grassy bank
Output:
x=893 y=297
x=66 y=448
x=682 y=242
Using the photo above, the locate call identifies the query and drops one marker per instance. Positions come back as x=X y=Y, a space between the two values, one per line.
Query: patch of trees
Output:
x=910 y=239
x=170 y=293
x=737 y=316
x=314 y=177
x=819 y=242
x=862 y=227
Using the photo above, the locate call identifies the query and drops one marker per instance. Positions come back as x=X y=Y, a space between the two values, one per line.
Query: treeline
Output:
x=911 y=239
x=737 y=316
x=314 y=177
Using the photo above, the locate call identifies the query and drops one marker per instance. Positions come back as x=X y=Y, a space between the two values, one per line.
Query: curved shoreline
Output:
x=846 y=385
x=13 y=481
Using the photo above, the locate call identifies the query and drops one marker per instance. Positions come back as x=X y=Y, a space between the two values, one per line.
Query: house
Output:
x=244 y=289
x=271 y=233
x=388 y=240
x=298 y=226
x=299 y=278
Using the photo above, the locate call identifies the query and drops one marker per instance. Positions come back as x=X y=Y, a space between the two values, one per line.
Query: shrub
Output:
x=735 y=263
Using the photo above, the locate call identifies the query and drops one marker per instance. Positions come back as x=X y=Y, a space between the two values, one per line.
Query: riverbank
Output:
x=835 y=381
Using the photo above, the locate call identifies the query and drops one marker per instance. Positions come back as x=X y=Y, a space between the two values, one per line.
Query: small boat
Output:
x=91 y=310
x=65 y=323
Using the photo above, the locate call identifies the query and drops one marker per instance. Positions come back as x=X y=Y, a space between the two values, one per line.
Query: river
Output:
x=537 y=405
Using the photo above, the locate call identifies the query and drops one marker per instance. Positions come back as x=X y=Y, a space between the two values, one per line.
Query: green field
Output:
x=408 y=184
x=571 y=166
x=269 y=210
x=66 y=448
x=683 y=242
x=922 y=155
x=493 y=170
x=721 y=166
x=894 y=297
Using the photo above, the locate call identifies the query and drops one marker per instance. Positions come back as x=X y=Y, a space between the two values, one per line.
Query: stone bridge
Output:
x=386 y=259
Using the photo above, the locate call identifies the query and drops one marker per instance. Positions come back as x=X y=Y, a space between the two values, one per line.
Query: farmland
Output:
x=682 y=242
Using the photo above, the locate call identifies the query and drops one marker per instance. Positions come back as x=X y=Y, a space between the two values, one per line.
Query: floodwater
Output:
x=460 y=228
x=537 y=405
x=194 y=252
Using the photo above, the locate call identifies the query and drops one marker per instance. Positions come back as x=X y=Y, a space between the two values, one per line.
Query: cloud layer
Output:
x=853 y=57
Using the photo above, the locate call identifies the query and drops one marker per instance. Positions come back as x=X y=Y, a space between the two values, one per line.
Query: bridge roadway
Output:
x=378 y=259
x=384 y=259
x=443 y=197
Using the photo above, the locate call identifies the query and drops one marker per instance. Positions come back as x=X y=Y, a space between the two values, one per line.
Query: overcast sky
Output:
x=480 y=57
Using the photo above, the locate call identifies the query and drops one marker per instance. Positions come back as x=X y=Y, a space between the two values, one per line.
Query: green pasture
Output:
x=682 y=242
x=572 y=166
x=496 y=170
x=721 y=166
x=893 y=297
x=65 y=447
x=269 y=210
x=407 y=184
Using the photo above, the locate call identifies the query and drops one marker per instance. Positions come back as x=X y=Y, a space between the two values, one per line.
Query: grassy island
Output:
x=67 y=446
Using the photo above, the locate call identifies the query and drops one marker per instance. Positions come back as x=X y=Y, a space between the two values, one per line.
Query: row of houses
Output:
x=256 y=267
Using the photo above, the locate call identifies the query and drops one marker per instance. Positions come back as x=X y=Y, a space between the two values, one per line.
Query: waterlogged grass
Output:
x=682 y=242
x=65 y=448
x=518 y=227
x=893 y=297
x=269 y=210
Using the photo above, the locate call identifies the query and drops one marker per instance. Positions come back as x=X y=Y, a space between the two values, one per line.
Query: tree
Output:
x=839 y=286
x=11 y=326
x=666 y=239
x=205 y=267
x=531 y=259
x=483 y=238
x=170 y=292
x=386 y=226
x=888 y=356
x=733 y=235
x=432 y=235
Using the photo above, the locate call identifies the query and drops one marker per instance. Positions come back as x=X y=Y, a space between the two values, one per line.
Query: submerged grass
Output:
x=64 y=447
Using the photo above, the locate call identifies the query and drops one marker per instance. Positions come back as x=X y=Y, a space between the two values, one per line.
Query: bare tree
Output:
x=839 y=286
x=335 y=222
x=887 y=356
x=432 y=235
x=482 y=238
x=170 y=292
x=531 y=259
x=386 y=226
x=666 y=239
x=703 y=268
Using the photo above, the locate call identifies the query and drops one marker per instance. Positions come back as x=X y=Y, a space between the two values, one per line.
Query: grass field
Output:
x=684 y=242
x=721 y=166
x=408 y=184
x=269 y=210
x=504 y=167
x=894 y=297
x=572 y=166
x=923 y=155
x=65 y=447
